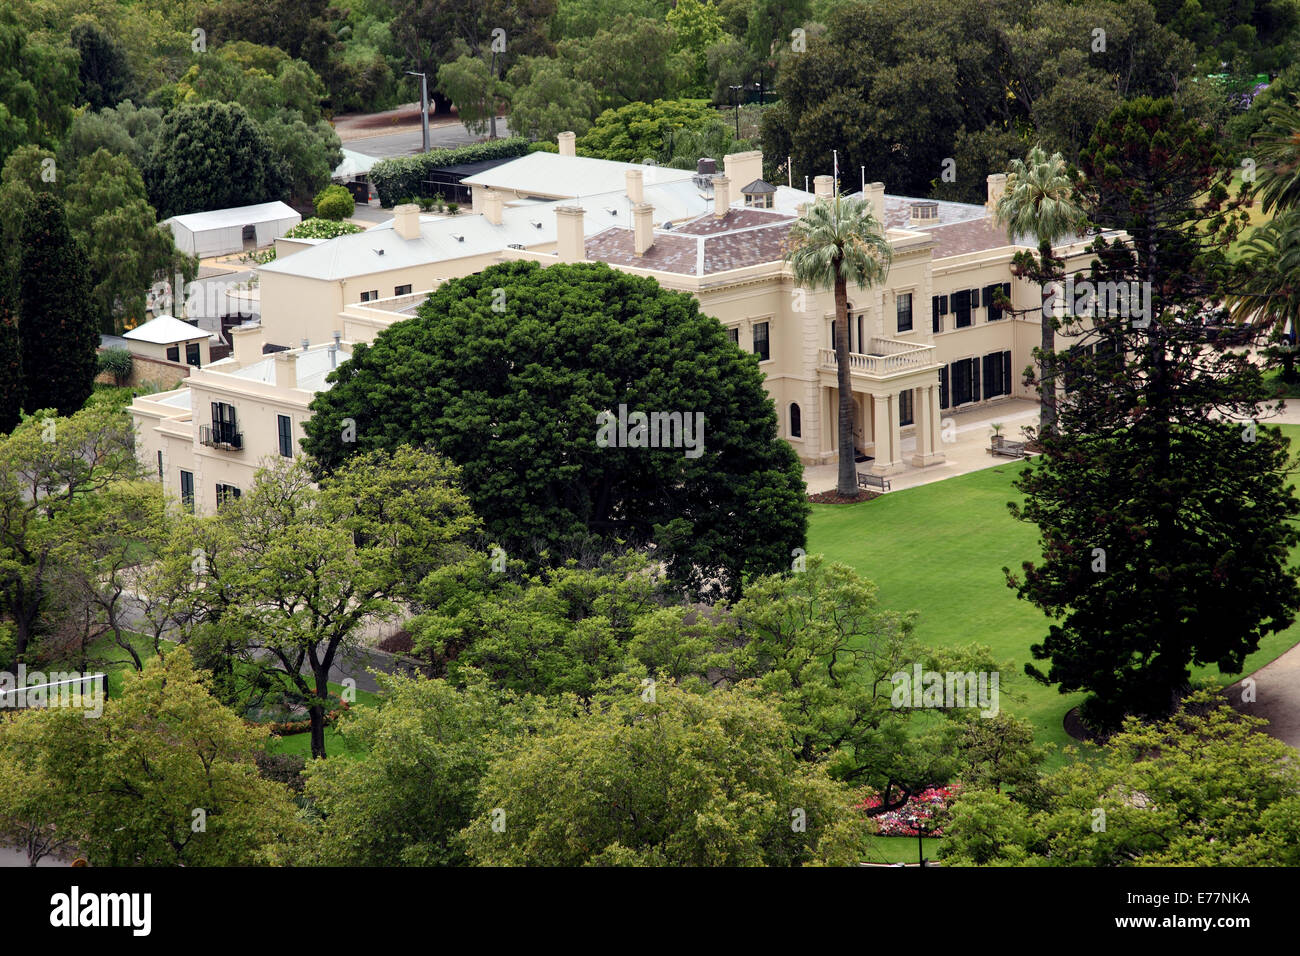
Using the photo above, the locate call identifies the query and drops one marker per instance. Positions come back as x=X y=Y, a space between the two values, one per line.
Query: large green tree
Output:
x=57 y=322
x=48 y=466
x=664 y=779
x=111 y=218
x=521 y=376
x=165 y=777
x=38 y=84
x=1204 y=788
x=212 y=156
x=1165 y=513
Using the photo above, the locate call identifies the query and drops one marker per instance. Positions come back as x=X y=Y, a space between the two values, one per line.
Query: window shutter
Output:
x=987 y=295
x=943 y=387
x=990 y=380
x=934 y=313
x=975 y=379
x=943 y=305
x=1006 y=373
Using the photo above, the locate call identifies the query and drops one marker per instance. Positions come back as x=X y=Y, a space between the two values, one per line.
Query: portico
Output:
x=895 y=387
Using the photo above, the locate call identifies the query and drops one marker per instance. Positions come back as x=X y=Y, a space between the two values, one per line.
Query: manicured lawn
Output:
x=899 y=849
x=939 y=549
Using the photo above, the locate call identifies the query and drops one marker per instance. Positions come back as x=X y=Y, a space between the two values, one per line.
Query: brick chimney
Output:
x=246 y=343
x=570 y=241
x=643 y=227
x=824 y=187
x=286 y=369
x=997 y=185
x=406 y=221
x=721 y=196
x=492 y=203
x=568 y=144
x=635 y=186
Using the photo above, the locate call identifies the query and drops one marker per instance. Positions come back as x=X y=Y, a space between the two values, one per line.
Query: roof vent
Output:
x=379 y=252
x=458 y=237
x=514 y=245
x=536 y=223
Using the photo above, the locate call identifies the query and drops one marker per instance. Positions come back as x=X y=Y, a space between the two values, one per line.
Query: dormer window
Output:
x=924 y=212
x=759 y=194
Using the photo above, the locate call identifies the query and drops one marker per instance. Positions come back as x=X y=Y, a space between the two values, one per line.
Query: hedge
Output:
x=405 y=175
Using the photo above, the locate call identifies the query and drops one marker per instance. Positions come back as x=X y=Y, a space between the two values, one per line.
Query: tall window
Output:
x=734 y=336
x=905 y=312
x=796 y=421
x=990 y=299
x=224 y=427
x=906 y=412
x=938 y=309
x=961 y=308
x=997 y=374
x=761 y=346
x=160 y=470
x=965 y=381
x=226 y=493
x=862 y=338
x=187 y=489
x=943 y=387
x=284 y=425
x=192 y=355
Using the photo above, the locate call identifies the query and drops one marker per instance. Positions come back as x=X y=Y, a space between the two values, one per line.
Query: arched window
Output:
x=796 y=424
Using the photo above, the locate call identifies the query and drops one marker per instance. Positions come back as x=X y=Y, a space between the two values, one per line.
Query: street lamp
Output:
x=734 y=92
x=424 y=106
x=915 y=821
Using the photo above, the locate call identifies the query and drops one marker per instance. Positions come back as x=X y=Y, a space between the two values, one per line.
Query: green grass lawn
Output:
x=897 y=849
x=940 y=548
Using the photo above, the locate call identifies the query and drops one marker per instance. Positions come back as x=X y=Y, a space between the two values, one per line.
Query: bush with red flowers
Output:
x=924 y=806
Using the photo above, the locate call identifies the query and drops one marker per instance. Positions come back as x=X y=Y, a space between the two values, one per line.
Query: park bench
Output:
x=868 y=480
x=1008 y=449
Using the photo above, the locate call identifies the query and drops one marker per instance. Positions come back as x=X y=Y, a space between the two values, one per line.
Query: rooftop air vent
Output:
x=458 y=237
x=924 y=212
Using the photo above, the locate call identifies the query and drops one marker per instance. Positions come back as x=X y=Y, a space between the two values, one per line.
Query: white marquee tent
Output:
x=222 y=231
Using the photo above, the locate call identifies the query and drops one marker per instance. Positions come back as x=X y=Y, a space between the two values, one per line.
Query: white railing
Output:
x=887 y=356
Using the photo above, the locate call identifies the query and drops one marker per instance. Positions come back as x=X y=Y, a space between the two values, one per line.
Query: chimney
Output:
x=306 y=344
x=286 y=369
x=568 y=144
x=492 y=206
x=743 y=168
x=334 y=350
x=997 y=185
x=570 y=241
x=643 y=227
x=824 y=187
x=705 y=167
x=635 y=186
x=338 y=338
x=721 y=196
x=875 y=195
x=246 y=342
x=406 y=221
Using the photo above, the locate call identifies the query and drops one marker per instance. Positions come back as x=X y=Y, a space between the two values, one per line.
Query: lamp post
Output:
x=735 y=92
x=915 y=821
x=424 y=106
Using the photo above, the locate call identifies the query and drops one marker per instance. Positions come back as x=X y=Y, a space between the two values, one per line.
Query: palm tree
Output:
x=833 y=243
x=1277 y=146
x=1040 y=201
x=1269 y=298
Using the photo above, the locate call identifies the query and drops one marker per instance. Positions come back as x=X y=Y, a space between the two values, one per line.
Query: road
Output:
x=407 y=140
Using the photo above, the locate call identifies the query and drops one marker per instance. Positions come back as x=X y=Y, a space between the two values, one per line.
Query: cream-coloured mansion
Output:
x=928 y=341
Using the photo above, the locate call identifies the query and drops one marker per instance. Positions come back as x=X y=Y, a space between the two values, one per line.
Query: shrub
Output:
x=322 y=229
x=405 y=175
x=117 y=362
x=334 y=202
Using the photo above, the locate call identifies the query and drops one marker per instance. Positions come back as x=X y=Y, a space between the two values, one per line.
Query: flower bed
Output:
x=924 y=806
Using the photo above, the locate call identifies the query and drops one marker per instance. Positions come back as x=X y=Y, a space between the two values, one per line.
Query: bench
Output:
x=868 y=480
x=1008 y=449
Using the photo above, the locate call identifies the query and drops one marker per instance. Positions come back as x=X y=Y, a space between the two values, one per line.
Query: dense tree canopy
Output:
x=511 y=373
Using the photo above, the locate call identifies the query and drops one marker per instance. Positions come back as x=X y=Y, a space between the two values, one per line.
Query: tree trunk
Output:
x=1046 y=373
x=848 y=481
x=317 y=712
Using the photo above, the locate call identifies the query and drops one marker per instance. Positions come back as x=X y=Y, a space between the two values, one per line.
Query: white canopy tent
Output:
x=222 y=231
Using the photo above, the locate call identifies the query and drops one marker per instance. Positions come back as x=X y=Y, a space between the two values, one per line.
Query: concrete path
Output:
x=1275 y=689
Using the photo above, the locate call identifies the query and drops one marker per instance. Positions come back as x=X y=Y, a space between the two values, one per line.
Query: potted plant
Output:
x=997 y=434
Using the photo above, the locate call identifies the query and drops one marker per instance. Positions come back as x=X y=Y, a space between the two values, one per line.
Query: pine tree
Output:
x=12 y=387
x=56 y=323
x=1165 y=511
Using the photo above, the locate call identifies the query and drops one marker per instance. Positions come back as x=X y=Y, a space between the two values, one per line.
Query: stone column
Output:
x=928 y=450
x=885 y=434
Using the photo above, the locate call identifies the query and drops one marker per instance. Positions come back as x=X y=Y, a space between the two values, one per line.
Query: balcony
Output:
x=888 y=357
x=221 y=436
